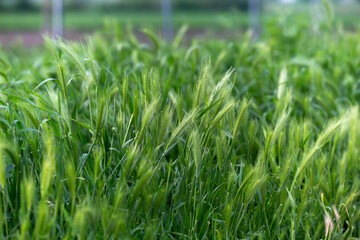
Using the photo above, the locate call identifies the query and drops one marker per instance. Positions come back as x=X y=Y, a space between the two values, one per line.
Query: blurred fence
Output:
x=131 y=4
x=53 y=9
x=85 y=15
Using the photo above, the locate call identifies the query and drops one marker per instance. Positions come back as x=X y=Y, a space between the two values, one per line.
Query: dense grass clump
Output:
x=116 y=139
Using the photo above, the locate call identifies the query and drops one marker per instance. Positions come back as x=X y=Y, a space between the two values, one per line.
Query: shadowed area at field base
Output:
x=36 y=38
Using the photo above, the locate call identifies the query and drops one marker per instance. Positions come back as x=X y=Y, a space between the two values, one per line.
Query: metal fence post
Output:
x=57 y=23
x=166 y=9
x=254 y=16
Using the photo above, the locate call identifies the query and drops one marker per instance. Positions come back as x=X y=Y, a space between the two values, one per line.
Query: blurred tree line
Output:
x=130 y=4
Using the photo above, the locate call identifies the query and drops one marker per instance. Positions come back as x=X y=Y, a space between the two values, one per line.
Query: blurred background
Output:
x=27 y=21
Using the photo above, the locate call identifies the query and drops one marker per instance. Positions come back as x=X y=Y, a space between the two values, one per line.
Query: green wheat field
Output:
x=244 y=138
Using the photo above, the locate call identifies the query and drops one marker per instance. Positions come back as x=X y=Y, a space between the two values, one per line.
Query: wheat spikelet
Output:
x=48 y=167
x=184 y=124
x=73 y=56
x=242 y=116
x=61 y=78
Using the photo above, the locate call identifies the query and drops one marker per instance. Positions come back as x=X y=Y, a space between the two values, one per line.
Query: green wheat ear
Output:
x=149 y=112
x=94 y=67
x=323 y=138
x=183 y=125
x=164 y=124
x=61 y=78
x=75 y=58
x=48 y=167
x=243 y=114
x=100 y=120
x=2 y=167
x=201 y=85
x=222 y=113
x=100 y=116
x=196 y=150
